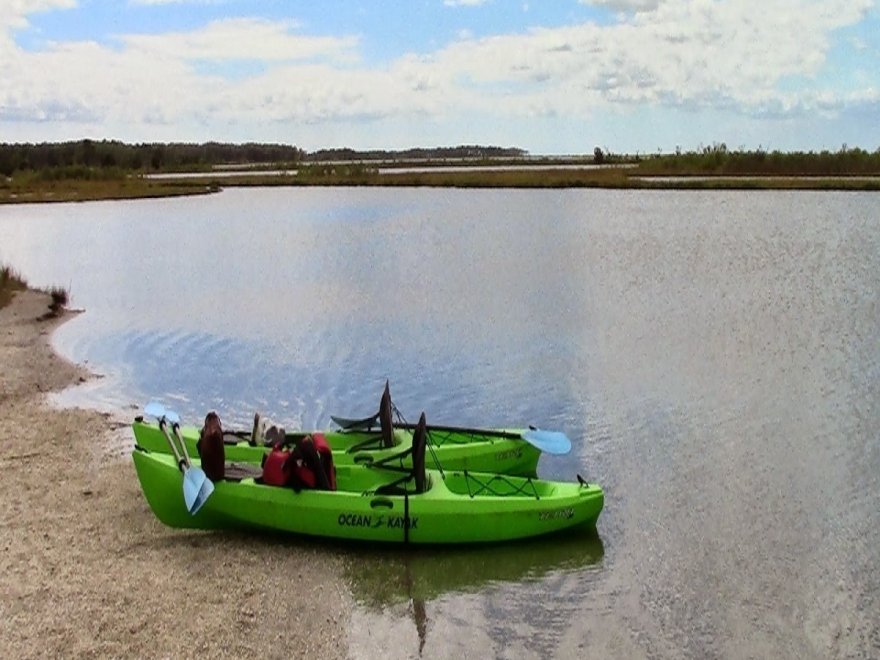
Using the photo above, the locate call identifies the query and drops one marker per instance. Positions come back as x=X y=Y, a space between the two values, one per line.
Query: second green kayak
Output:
x=494 y=451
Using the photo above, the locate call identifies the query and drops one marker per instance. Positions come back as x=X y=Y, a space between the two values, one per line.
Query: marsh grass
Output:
x=714 y=168
x=10 y=282
x=718 y=160
x=613 y=178
x=36 y=188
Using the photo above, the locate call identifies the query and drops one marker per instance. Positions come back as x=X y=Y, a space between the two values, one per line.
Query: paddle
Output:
x=347 y=424
x=549 y=442
x=196 y=497
x=197 y=488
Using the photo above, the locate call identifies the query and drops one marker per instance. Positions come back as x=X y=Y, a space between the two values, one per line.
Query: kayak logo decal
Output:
x=558 y=514
x=375 y=521
x=510 y=453
x=358 y=520
x=399 y=522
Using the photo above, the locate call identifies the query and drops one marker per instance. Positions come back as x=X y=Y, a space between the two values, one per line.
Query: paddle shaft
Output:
x=163 y=426
x=176 y=428
x=509 y=435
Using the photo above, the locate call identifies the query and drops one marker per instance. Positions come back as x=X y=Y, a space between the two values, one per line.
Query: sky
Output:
x=548 y=76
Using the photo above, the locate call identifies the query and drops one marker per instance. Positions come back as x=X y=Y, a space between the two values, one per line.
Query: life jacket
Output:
x=309 y=469
x=276 y=466
x=210 y=448
x=309 y=465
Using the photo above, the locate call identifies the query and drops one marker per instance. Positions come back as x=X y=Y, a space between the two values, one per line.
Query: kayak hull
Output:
x=456 y=508
x=487 y=452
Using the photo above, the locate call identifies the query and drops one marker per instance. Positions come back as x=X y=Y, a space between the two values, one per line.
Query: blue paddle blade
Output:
x=549 y=442
x=193 y=481
x=172 y=417
x=204 y=493
x=154 y=409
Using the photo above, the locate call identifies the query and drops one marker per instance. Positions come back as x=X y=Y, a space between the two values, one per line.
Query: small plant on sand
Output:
x=60 y=297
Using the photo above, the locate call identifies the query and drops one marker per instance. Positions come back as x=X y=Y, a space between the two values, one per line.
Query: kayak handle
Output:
x=381 y=502
x=363 y=459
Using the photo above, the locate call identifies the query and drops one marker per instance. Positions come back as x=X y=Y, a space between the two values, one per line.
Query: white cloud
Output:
x=244 y=38
x=14 y=13
x=624 y=5
x=464 y=3
x=683 y=53
x=728 y=56
x=177 y=2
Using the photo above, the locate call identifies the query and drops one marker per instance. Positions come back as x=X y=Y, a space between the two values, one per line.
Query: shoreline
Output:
x=87 y=570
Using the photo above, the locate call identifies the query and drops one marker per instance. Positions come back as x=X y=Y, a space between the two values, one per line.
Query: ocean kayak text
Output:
x=373 y=521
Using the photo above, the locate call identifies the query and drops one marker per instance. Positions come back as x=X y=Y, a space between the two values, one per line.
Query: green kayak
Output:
x=373 y=503
x=499 y=451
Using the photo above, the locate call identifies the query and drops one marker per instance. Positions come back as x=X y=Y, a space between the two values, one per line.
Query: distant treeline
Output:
x=474 y=152
x=110 y=159
x=85 y=155
x=82 y=158
x=720 y=161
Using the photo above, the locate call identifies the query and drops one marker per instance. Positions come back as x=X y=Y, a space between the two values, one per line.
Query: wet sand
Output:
x=86 y=570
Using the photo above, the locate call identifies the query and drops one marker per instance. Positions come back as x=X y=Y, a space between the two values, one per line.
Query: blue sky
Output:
x=552 y=77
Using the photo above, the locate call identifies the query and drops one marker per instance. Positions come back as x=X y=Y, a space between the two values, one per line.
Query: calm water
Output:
x=714 y=356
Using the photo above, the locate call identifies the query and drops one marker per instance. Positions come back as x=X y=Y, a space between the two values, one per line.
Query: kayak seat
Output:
x=240 y=471
x=274 y=434
x=417 y=473
x=420 y=441
x=257 y=431
x=385 y=418
x=210 y=447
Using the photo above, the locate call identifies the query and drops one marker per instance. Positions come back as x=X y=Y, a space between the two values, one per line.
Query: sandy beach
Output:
x=87 y=571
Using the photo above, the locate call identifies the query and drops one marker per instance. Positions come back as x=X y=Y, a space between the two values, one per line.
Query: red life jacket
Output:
x=276 y=467
x=282 y=467
x=302 y=475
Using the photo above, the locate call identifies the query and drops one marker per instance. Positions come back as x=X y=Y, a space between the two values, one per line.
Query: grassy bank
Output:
x=23 y=189
x=634 y=178
x=12 y=281
x=620 y=178
x=713 y=169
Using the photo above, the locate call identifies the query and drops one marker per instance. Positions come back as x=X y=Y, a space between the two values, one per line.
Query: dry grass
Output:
x=10 y=282
x=34 y=189
x=619 y=178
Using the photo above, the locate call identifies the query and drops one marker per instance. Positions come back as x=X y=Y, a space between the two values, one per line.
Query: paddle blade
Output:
x=193 y=481
x=172 y=417
x=345 y=423
x=154 y=409
x=550 y=442
x=204 y=493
